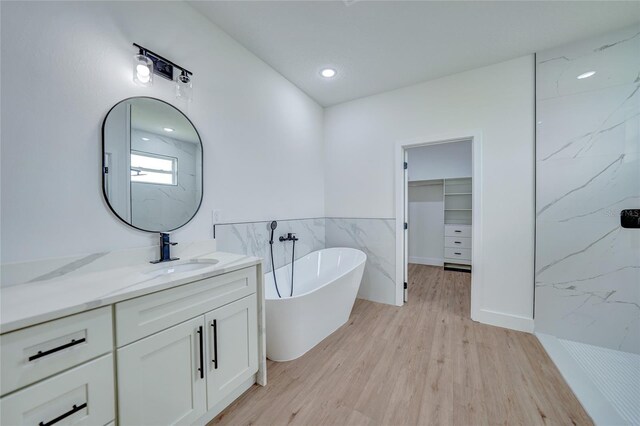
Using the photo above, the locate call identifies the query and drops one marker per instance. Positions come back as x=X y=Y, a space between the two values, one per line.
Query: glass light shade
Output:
x=142 y=70
x=184 y=87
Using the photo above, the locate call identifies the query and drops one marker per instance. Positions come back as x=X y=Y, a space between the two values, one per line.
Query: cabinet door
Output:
x=160 y=380
x=232 y=347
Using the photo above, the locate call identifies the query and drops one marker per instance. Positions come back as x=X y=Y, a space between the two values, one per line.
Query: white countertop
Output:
x=31 y=303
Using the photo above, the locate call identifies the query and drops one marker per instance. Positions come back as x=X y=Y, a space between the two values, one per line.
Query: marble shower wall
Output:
x=376 y=237
x=252 y=238
x=588 y=170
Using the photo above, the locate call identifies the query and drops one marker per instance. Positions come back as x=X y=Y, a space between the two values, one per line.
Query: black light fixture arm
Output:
x=144 y=51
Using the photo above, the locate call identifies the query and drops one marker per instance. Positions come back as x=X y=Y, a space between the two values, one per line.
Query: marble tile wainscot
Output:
x=376 y=237
x=252 y=239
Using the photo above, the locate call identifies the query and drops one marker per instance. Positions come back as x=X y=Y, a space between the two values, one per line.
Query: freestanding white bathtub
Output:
x=325 y=286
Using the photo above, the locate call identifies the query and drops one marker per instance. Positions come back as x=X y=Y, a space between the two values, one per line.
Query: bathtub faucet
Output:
x=289 y=237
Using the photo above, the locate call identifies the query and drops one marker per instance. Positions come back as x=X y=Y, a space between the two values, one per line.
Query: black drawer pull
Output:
x=459 y=254
x=214 y=324
x=73 y=342
x=201 y=369
x=458 y=242
x=458 y=231
x=75 y=409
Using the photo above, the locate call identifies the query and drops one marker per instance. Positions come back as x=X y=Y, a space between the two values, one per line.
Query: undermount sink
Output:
x=179 y=267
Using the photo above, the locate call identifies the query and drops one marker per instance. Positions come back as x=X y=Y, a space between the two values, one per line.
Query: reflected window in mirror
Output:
x=153 y=168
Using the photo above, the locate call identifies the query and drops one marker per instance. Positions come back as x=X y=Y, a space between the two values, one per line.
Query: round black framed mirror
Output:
x=151 y=164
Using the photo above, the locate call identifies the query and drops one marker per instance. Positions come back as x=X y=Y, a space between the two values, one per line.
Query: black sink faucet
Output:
x=165 y=249
x=290 y=237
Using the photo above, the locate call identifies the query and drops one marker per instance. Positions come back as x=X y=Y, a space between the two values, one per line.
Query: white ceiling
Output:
x=382 y=45
x=153 y=116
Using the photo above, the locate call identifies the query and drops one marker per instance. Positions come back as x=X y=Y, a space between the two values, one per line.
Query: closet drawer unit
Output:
x=146 y=315
x=81 y=396
x=37 y=352
x=457 y=231
x=457 y=242
x=456 y=254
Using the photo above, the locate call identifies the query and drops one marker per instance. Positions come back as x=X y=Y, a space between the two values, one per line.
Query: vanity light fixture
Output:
x=328 y=73
x=586 y=75
x=142 y=70
x=184 y=86
x=168 y=129
x=147 y=63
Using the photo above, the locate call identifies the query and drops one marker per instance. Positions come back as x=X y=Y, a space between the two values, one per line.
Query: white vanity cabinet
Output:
x=178 y=374
x=178 y=355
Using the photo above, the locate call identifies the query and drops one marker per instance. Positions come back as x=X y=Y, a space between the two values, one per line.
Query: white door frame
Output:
x=476 y=253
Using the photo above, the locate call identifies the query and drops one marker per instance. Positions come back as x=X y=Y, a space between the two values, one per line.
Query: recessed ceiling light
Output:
x=328 y=73
x=586 y=75
x=145 y=139
x=168 y=129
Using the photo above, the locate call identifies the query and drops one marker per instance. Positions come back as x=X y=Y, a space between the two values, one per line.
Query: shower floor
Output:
x=606 y=381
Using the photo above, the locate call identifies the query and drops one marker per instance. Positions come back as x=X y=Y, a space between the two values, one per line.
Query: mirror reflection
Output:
x=152 y=165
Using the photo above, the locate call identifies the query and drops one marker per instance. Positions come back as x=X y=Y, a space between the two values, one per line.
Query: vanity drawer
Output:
x=457 y=231
x=81 y=396
x=457 y=254
x=33 y=353
x=457 y=242
x=146 y=315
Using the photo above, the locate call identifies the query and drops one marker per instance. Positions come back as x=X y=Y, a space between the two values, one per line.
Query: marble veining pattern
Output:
x=47 y=270
x=588 y=170
x=34 y=302
x=252 y=239
x=375 y=237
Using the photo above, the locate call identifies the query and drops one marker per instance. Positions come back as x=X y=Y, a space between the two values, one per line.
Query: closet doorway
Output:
x=438 y=210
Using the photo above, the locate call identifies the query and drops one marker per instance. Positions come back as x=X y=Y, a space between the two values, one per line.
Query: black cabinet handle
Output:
x=74 y=409
x=73 y=342
x=458 y=231
x=201 y=369
x=457 y=242
x=214 y=324
x=459 y=254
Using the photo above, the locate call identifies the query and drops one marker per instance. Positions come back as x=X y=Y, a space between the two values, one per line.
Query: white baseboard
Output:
x=433 y=261
x=500 y=319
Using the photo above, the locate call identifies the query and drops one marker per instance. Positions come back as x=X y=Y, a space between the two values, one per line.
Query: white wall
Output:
x=498 y=101
x=65 y=64
x=426 y=229
x=447 y=160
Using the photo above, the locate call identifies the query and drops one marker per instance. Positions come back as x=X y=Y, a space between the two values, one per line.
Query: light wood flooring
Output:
x=425 y=363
